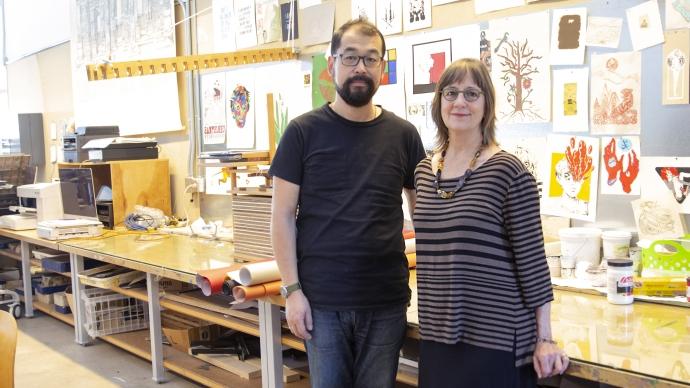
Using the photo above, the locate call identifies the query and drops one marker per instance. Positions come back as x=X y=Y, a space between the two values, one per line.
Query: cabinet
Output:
x=133 y=182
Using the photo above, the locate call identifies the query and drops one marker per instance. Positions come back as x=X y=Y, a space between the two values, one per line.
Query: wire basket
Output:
x=108 y=312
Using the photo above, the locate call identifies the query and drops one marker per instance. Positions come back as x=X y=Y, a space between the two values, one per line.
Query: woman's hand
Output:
x=549 y=360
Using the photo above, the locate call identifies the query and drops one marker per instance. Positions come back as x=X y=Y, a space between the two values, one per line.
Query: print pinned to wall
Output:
x=419 y=114
x=239 y=89
x=568 y=36
x=416 y=14
x=391 y=92
x=428 y=62
x=365 y=9
x=572 y=178
x=520 y=68
x=485 y=49
x=677 y=14
x=267 y=21
x=603 y=31
x=664 y=180
x=218 y=181
x=620 y=165
x=656 y=219
x=644 y=23
x=389 y=16
x=245 y=24
x=213 y=119
x=322 y=86
x=570 y=100
x=615 y=93
x=223 y=26
x=288 y=20
x=677 y=181
x=676 y=52
x=530 y=151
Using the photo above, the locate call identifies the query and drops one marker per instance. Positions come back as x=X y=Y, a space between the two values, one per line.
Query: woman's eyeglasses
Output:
x=470 y=94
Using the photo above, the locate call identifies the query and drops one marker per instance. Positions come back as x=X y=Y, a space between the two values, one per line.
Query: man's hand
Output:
x=298 y=314
x=549 y=360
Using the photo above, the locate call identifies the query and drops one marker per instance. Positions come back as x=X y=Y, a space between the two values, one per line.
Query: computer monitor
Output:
x=78 y=194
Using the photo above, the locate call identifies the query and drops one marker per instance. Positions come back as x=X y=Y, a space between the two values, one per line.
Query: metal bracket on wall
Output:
x=111 y=70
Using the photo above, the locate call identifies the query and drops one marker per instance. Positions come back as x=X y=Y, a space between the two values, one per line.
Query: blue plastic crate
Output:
x=61 y=264
x=63 y=309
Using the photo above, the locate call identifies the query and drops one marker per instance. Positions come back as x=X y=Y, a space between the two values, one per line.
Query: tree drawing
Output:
x=516 y=68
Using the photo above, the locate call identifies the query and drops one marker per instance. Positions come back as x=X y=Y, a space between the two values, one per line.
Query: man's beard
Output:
x=361 y=96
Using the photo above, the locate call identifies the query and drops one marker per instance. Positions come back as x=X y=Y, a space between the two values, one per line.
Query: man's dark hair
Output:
x=363 y=26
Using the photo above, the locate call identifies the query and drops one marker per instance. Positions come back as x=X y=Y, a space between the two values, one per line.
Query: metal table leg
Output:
x=271 y=348
x=26 y=279
x=155 y=329
x=76 y=266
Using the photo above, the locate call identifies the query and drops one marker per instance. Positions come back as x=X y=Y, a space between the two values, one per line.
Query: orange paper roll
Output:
x=244 y=293
x=211 y=280
x=411 y=260
x=408 y=234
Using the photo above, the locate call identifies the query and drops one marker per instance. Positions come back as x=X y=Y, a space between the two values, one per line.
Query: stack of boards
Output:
x=252 y=227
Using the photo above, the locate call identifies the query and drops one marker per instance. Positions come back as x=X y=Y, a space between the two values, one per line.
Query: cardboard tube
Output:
x=410 y=245
x=211 y=280
x=245 y=293
x=257 y=273
x=408 y=234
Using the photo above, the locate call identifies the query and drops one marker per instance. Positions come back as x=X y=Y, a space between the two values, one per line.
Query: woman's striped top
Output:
x=481 y=268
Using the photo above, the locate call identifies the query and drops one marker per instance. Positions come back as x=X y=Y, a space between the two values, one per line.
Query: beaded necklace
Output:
x=461 y=181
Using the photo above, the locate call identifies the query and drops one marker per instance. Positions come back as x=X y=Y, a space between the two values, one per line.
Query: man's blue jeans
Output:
x=356 y=348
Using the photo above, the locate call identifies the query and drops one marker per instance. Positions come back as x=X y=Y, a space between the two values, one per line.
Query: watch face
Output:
x=283 y=291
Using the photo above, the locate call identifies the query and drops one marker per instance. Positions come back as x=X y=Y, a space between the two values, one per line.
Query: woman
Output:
x=483 y=282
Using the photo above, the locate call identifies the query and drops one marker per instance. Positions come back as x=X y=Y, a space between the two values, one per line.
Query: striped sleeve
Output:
x=523 y=227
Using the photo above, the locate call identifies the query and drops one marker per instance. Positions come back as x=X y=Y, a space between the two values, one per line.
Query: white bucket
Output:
x=616 y=244
x=581 y=244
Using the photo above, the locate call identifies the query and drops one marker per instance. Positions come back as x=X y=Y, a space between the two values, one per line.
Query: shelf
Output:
x=10 y=254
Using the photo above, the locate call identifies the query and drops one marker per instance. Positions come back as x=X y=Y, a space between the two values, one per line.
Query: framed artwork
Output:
x=428 y=62
x=416 y=14
x=571 y=100
x=520 y=68
x=569 y=29
x=615 y=93
x=604 y=31
x=676 y=53
x=620 y=165
x=239 y=91
x=571 y=181
x=644 y=23
x=389 y=16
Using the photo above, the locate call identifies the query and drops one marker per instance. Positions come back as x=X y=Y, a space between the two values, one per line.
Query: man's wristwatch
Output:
x=285 y=291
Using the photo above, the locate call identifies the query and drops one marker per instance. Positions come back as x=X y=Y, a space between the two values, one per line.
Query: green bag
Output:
x=666 y=258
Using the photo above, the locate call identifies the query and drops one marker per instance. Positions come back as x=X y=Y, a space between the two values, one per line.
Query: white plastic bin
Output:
x=616 y=244
x=581 y=244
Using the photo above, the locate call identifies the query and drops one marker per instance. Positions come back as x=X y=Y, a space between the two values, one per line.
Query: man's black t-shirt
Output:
x=350 y=248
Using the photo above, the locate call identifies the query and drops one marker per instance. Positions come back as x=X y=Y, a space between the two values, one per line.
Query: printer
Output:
x=72 y=144
x=37 y=202
x=121 y=148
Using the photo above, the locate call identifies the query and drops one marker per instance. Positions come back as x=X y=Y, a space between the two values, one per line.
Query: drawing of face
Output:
x=571 y=187
x=239 y=105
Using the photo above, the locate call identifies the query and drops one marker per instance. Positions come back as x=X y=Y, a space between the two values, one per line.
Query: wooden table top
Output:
x=29 y=236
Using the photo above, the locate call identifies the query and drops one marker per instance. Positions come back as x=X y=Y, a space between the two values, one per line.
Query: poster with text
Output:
x=245 y=24
x=615 y=93
x=570 y=100
x=520 y=68
x=620 y=165
x=569 y=30
x=213 y=119
x=572 y=177
x=224 y=26
x=239 y=89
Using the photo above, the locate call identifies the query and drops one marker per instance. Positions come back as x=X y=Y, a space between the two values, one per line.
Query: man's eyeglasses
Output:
x=470 y=94
x=353 y=60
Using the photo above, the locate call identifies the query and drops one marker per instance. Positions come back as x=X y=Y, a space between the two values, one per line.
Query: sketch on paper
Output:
x=568 y=36
x=676 y=52
x=520 y=68
x=267 y=21
x=656 y=220
x=428 y=62
x=571 y=190
x=485 y=50
x=240 y=103
x=531 y=152
x=620 y=161
x=365 y=9
x=419 y=114
x=245 y=24
x=570 y=100
x=416 y=14
x=322 y=86
x=604 y=31
x=615 y=93
x=677 y=14
x=389 y=16
x=644 y=23
x=213 y=108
